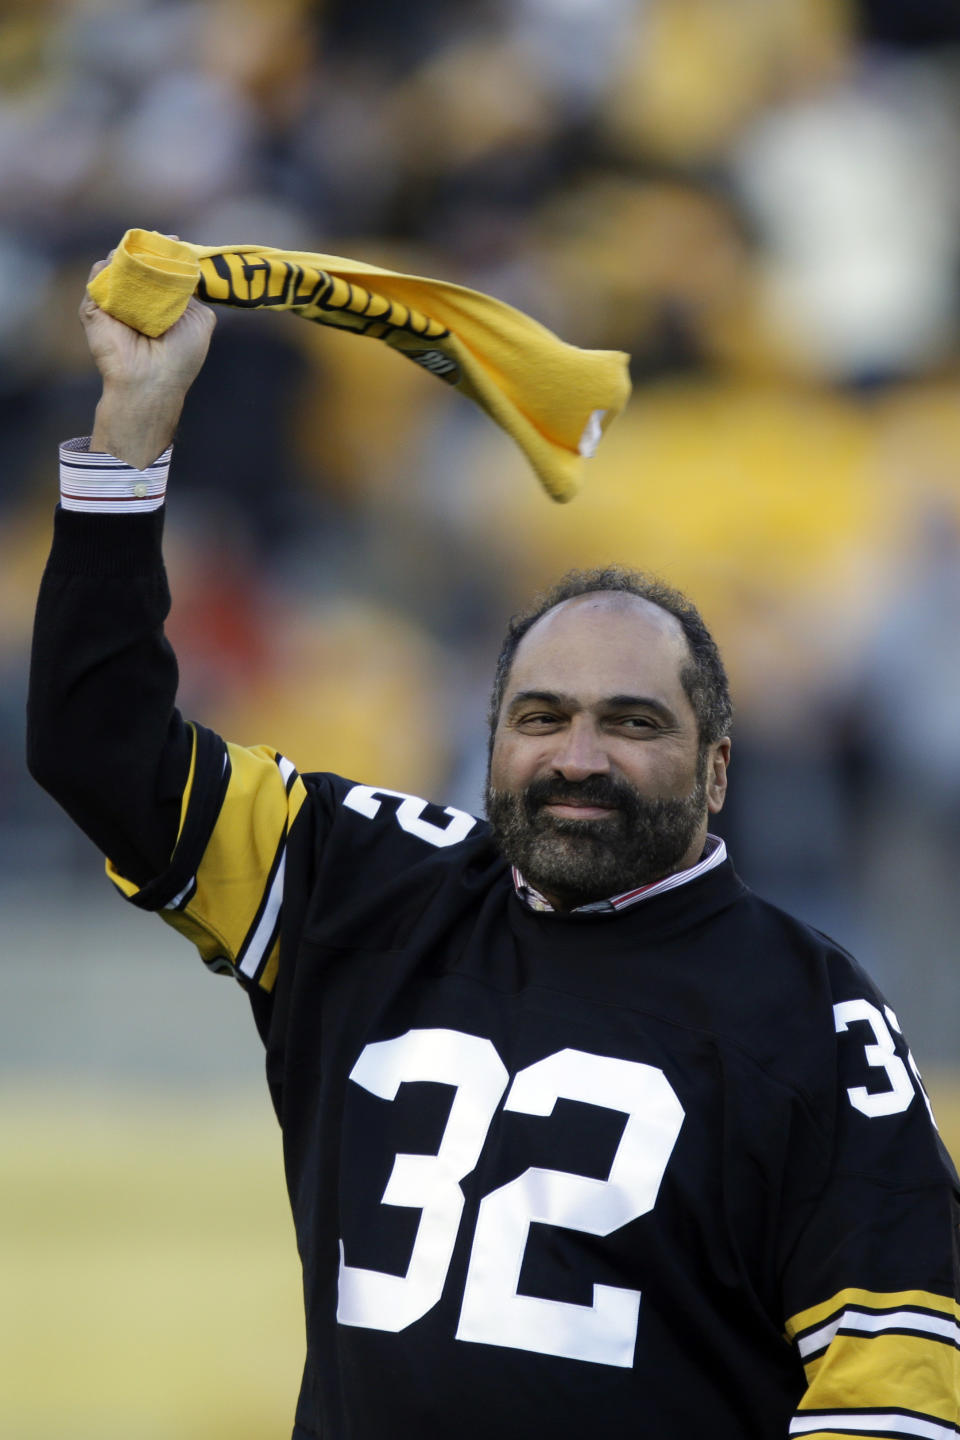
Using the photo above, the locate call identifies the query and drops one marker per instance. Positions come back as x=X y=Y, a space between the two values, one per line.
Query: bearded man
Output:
x=581 y=1136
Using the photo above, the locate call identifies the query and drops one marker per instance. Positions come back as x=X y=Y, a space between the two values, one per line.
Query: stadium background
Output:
x=760 y=200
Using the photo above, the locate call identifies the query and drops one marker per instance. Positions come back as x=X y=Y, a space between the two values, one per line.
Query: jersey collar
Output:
x=714 y=854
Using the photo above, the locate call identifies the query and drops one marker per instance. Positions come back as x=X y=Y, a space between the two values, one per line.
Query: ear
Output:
x=717 y=762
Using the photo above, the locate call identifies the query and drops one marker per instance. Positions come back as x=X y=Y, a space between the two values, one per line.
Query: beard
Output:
x=580 y=861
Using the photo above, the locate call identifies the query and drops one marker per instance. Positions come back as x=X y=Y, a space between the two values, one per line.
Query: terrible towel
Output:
x=554 y=399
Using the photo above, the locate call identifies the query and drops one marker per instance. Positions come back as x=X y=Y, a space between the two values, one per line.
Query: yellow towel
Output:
x=552 y=398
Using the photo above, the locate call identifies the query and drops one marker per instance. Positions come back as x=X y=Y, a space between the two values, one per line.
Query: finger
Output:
x=99 y=265
x=87 y=309
x=196 y=307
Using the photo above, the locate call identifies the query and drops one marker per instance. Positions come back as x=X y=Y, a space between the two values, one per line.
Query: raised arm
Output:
x=104 y=735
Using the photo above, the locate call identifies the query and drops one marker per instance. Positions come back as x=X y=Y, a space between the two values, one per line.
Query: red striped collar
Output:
x=714 y=853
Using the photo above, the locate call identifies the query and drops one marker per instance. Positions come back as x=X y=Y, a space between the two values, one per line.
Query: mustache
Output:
x=595 y=790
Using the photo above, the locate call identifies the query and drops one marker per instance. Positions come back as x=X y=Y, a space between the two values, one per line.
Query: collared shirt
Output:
x=100 y=484
x=714 y=853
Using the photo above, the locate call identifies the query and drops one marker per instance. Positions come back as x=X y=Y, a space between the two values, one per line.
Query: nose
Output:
x=580 y=751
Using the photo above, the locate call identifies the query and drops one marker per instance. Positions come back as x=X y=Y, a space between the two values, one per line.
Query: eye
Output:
x=538 y=720
x=634 y=722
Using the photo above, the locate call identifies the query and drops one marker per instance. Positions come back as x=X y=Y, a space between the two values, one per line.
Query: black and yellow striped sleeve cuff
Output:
x=879 y=1365
x=226 y=894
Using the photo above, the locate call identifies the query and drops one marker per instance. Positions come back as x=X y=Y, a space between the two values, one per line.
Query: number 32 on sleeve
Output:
x=492 y=1310
x=881 y=1055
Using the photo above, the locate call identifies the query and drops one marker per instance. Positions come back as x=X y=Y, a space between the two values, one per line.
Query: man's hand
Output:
x=144 y=381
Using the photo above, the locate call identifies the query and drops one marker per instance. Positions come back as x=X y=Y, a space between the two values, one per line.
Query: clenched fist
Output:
x=144 y=381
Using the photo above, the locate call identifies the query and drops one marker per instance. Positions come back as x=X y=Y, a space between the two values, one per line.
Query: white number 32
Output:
x=493 y=1311
x=881 y=1055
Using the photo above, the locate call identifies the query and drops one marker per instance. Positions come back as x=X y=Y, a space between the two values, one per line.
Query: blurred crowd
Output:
x=759 y=200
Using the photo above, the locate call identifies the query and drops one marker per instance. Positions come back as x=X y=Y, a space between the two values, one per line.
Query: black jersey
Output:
x=665 y=1172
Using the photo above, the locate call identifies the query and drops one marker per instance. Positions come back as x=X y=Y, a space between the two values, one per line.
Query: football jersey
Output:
x=664 y=1172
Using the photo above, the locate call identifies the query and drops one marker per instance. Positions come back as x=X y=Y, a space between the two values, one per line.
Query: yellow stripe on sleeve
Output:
x=869 y=1300
x=880 y=1351
x=188 y=787
x=268 y=975
x=125 y=886
x=857 y=1433
x=239 y=868
x=233 y=913
x=877 y=1371
x=129 y=888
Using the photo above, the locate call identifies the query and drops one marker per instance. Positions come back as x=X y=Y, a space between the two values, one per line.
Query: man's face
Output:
x=597 y=779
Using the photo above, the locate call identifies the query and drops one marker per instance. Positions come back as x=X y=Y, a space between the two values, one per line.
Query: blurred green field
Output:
x=150 y=1279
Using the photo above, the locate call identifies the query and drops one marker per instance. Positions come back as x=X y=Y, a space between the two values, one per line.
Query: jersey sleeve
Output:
x=194 y=828
x=104 y=735
x=872 y=1286
x=223 y=889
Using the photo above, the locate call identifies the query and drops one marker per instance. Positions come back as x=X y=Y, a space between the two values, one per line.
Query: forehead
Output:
x=603 y=644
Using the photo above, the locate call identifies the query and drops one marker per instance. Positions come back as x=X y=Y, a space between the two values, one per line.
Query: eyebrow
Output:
x=610 y=702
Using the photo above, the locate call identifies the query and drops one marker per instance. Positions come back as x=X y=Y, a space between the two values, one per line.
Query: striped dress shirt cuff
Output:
x=103 y=485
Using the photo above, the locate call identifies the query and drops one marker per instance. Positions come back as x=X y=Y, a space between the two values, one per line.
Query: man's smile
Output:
x=578 y=810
